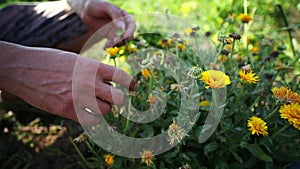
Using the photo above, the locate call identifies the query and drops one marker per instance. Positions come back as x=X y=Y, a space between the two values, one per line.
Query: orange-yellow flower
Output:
x=248 y=76
x=146 y=73
x=109 y=159
x=257 y=126
x=244 y=18
x=113 y=51
x=152 y=99
x=147 y=157
x=284 y=94
x=214 y=79
x=180 y=46
x=255 y=50
x=291 y=112
x=165 y=43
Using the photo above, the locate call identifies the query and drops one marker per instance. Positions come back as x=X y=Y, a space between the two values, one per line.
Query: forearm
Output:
x=20 y=66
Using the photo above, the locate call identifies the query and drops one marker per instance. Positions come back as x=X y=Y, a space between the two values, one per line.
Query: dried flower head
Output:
x=83 y=136
x=285 y=95
x=215 y=79
x=291 y=112
x=177 y=87
x=147 y=157
x=176 y=133
x=235 y=36
x=257 y=126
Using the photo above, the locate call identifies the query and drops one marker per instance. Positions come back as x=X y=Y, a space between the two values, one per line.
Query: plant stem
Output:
x=115 y=63
x=232 y=50
x=288 y=30
x=79 y=152
x=281 y=130
x=272 y=113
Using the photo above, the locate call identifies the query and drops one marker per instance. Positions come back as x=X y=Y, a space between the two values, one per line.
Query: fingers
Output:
x=130 y=25
x=109 y=93
x=111 y=73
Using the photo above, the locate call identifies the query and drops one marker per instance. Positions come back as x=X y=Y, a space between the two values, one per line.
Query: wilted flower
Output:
x=257 y=126
x=291 y=112
x=83 y=136
x=225 y=39
x=285 y=95
x=147 y=157
x=152 y=99
x=176 y=133
x=215 y=79
x=235 y=36
x=177 y=87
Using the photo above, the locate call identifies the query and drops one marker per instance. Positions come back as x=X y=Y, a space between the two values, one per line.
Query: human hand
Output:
x=44 y=78
x=97 y=13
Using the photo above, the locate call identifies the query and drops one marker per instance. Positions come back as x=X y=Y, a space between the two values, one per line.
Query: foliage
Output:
x=258 y=54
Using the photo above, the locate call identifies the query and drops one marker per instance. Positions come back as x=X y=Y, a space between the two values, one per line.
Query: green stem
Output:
x=232 y=50
x=288 y=30
x=115 y=63
x=151 y=82
x=281 y=130
x=245 y=25
x=79 y=152
x=127 y=119
x=272 y=113
x=220 y=50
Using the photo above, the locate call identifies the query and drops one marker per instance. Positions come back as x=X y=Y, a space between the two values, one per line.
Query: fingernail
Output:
x=121 y=24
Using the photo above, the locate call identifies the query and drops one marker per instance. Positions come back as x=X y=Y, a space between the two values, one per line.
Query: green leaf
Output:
x=236 y=156
x=258 y=152
x=210 y=147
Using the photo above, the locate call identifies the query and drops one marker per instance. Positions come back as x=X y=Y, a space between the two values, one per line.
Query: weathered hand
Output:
x=97 y=13
x=44 y=78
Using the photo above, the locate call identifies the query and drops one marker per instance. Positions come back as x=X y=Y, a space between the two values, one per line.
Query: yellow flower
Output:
x=215 y=79
x=188 y=31
x=204 y=103
x=130 y=49
x=165 y=43
x=291 y=112
x=113 y=51
x=146 y=73
x=147 y=157
x=223 y=58
x=257 y=126
x=181 y=46
x=255 y=50
x=285 y=95
x=248 y=76
x=244 y=18
x=109 y=159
